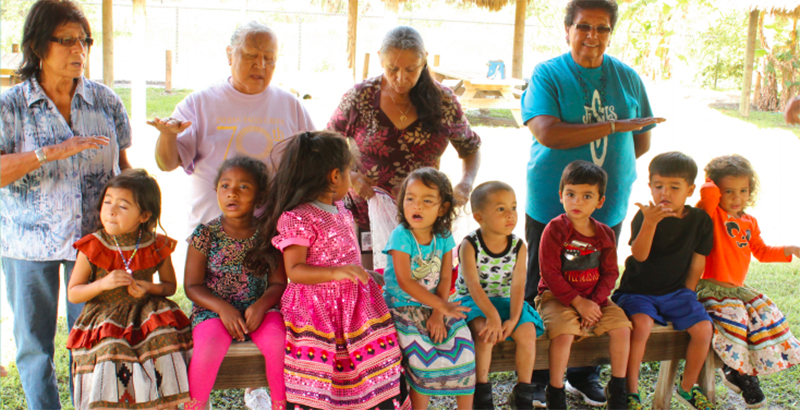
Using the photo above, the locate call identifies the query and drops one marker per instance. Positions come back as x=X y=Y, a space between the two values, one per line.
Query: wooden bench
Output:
x=244 y=365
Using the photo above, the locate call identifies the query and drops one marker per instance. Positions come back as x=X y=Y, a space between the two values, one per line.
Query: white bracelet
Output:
x=613 y=127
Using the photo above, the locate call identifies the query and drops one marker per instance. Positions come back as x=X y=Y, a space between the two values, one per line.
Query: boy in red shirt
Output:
x=578 y=264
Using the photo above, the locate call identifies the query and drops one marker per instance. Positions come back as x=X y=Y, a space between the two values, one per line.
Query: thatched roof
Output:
x=779 y=7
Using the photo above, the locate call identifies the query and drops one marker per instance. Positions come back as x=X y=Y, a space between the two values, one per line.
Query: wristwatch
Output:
x=41 y=156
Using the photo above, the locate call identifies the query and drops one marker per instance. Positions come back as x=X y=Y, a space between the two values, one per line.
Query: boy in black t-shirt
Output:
x=669 y=244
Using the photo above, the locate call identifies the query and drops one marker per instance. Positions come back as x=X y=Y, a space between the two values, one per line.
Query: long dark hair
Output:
x=435 y=179
x=146 y=193
x=302 y=176
x=426 y=94
x=43 y=19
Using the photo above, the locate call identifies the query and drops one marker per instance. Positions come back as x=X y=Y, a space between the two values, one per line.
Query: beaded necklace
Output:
x=128 y=261
x=585 y=87
x=424 y=263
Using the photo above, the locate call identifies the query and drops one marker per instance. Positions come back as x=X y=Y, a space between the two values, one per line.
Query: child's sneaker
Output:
x=731 y=379
x=556 y=398
x=751 y=392
x=634 y=402
x=694 y=399
x=616 y=394
x=483 y=399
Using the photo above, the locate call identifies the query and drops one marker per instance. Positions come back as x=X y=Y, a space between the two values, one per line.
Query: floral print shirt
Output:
x=389 y=154
x=226 y=276
x=45 y=211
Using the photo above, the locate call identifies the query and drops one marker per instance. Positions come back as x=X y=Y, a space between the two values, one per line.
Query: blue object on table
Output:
x=496 y=67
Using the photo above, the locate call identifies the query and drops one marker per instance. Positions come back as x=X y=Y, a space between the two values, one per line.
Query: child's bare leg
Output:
x=619 y=348
x=560 y=347
x=525 y=337
x=696 y=352
x=642 y=325
x=464 y=402
x=419 y=401
x=483 y=351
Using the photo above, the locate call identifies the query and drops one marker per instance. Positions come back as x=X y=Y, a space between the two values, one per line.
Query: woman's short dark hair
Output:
x=43 y=19
x=426 y=94
x=574 y=6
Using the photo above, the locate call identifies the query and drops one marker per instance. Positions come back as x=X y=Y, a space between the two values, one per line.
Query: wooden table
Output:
x=477 y=91
x=9 y=63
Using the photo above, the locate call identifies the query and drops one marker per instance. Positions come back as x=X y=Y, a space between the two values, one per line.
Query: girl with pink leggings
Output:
x=231 y=301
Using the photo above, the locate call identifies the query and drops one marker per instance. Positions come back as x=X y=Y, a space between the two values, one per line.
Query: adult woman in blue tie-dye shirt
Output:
x=63 y=137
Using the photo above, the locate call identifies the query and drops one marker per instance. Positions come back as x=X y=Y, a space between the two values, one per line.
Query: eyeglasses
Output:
x=71 y=41
x=585 y=28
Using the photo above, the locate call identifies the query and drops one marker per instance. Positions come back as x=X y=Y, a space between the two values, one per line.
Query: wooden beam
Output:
x=108 y=43
x=352 y=25
x=750 y=49
x=168 y=74
x=139 y=62
x=519 y=39
x=365 y=74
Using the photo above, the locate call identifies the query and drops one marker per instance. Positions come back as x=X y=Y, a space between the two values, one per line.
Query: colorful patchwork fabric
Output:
x=750 y=334
x=128 y=352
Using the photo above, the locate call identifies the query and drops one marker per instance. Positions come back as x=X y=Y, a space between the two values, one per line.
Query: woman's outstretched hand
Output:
x=169 y=126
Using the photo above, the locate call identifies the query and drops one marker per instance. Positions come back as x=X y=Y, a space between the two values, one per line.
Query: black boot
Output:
x=483 y=397
x=556 y=398
x=521 y=397
x=616 y=394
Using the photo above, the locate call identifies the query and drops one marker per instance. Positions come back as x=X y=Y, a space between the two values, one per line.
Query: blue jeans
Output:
x=33 y=289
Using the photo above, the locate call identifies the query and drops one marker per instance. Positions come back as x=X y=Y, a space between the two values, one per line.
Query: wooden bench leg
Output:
x=665 y=384
x=706 y=379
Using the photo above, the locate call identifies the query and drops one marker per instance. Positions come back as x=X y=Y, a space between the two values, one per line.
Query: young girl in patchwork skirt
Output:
x=231 y=300
x=130 y=344
x=438 y=353
x=341 y=346
x=750 y=334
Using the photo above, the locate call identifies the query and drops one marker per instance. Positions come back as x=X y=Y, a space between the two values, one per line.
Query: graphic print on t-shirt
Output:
x=594 y=113
x=742 y=238
x=580 y=262
x=253 y=136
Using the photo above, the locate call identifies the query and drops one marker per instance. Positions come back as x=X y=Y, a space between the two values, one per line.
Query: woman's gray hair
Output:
x=403 y=38
x=243 y=30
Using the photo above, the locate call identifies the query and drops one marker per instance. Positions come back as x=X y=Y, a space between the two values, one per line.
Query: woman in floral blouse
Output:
x=400 y=121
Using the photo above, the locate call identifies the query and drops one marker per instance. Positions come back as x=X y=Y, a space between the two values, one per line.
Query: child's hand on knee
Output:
x=234 y=323
x=435 y=326
x=590 y=312
x=492 y=330
x=253 y=317
x=453 y=309
x=508 y=328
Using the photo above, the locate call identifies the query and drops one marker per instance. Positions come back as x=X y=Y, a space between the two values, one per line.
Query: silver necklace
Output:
x=128 y=261
x=420 y=261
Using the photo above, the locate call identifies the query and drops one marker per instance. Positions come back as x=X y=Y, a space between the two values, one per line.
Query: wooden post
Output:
x=86 y=69
x=436 y=60
x=108 y=43
x=519 y=39
x=15 y=48
x=139 y=61
x=750 y=49
x=666 y=383
x=168 y=74
x=352 y=25
x=366 y=67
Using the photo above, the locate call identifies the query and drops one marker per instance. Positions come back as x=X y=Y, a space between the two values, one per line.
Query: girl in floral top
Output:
x=230 y=300
x=402 y=121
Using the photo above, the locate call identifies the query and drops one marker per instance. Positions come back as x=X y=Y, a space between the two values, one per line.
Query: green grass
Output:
x=762 y=119
x=159 y=103
x=779 y=281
